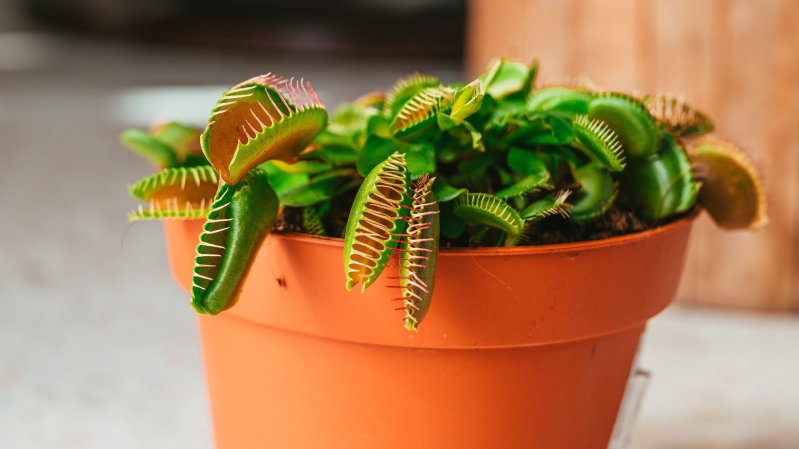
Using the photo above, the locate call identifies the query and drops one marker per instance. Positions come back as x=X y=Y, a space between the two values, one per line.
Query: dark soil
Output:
x=616 y=221
x=289 y=222
x=613 y=223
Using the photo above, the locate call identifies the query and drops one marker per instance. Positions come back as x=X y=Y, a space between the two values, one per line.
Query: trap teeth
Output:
x=375 y=219
x=264 y=118
x=181 y=192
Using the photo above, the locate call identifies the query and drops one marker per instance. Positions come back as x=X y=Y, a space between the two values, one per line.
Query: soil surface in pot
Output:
x=616 y=221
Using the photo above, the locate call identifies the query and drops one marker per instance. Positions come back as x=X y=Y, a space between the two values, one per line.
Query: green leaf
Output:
x=444 y=191
x=597 y=192
x=526 y=162
x=445 y=123
x=378 y=125
x=476 y=137
x=375 y=150
x=468 y=101
x=183 y=139
x=485 y=209
x=529 y=183
x=421 y=159
x=556 y=131
x=505 y=176
x=449 y=149
x=630 y=120
x=350 y=119
x=452 y=226
x=194 y=160
x=507 y=77
x=337 y=155
x=327 y=139
x=283 y=182
x=662 y=185
x=348 y=126
x=541 y=129
x=241 y=217
x=475 y=169
x=158 y=153
x=463 y=131
x=320 y=188
x=547 y=206
x=560 y=99
x=556 y=157
x=307 y=166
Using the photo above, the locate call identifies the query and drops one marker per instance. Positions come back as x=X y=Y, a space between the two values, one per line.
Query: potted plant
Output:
x=509 y=241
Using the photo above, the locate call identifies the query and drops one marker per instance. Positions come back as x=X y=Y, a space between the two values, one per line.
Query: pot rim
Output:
x=525 y=319
x=552 y=248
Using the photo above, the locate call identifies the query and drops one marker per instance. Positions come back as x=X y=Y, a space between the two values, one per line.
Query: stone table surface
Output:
x=98 y=347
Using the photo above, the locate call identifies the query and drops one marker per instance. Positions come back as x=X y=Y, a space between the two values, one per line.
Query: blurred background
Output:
x=98 y=347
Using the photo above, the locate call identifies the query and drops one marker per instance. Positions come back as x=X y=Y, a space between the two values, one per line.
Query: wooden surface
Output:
x=738 y=60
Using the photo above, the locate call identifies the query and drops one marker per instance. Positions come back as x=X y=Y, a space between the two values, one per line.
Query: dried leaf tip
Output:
x=677 y=116
x=731 y=188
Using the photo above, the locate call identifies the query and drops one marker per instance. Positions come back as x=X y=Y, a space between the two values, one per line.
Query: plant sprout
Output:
x=495 y=162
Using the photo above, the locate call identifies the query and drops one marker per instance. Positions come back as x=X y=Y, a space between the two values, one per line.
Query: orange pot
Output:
x=526 y=347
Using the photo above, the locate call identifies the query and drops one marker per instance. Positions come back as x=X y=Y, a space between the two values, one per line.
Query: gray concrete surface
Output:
x=98 y=346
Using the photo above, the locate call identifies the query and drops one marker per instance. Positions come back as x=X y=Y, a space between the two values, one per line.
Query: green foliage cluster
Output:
x=427 y=164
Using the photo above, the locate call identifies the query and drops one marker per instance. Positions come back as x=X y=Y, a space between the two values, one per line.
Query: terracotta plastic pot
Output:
x=527 y=347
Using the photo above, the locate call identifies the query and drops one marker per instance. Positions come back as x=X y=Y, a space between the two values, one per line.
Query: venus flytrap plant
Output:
x=495 y=162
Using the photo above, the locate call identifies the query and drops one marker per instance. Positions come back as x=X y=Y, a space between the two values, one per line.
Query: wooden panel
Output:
x=736 y=59
x=518 y=41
